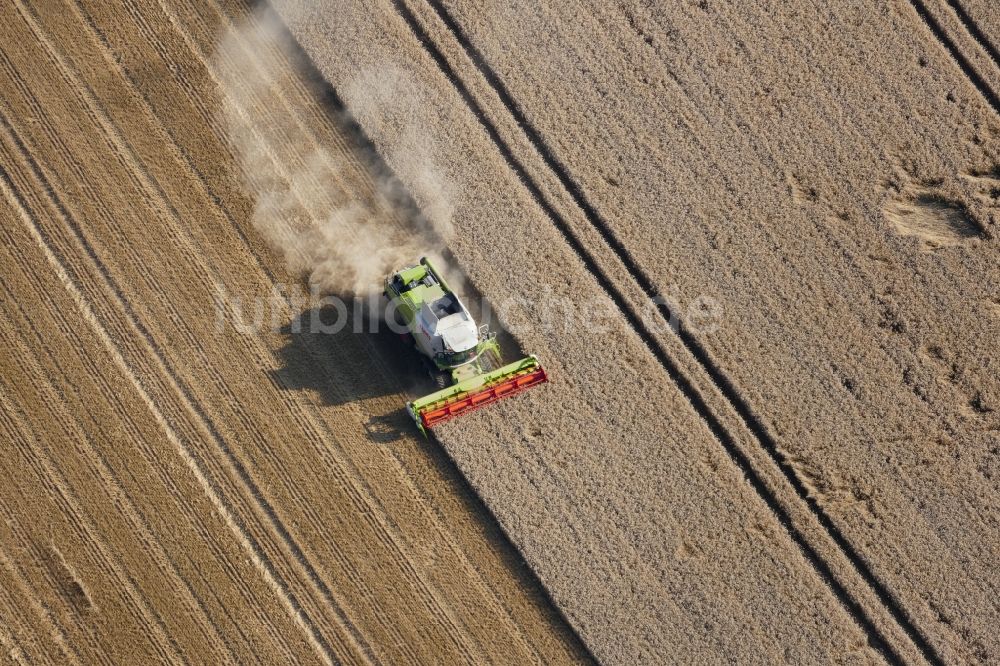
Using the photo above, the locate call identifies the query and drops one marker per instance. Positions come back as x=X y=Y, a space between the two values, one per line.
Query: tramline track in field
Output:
x=717 y=376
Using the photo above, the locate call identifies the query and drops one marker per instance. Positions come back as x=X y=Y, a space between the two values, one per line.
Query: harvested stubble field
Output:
x=179 y=491
x=804 y=471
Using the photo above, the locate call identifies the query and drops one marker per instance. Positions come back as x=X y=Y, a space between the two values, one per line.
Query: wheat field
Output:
x=754 y=244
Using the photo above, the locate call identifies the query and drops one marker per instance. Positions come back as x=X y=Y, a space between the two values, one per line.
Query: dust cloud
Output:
x=334 y=220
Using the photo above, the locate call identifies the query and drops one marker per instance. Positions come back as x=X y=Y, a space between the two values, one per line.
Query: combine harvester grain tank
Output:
x=464 y=358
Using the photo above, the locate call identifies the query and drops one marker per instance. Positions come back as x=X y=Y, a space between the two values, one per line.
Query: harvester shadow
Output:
x=344 y=358
x=390 y=427
x=344 y=352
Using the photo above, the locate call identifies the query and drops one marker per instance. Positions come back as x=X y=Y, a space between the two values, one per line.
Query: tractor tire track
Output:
x=968 y=69
x=601 y=276
x=920 y=614
x=974 y=30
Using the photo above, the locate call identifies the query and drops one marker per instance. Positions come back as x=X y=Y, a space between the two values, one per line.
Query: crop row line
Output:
x=218 y=497
x=701 y=355
x=106 y=467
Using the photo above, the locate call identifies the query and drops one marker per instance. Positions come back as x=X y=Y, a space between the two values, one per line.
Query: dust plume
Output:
x=316 y=198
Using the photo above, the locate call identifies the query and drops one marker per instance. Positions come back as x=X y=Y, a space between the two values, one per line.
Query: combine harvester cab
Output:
x=463 y=356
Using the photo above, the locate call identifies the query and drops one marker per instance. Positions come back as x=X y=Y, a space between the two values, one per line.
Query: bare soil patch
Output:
x=935 y=221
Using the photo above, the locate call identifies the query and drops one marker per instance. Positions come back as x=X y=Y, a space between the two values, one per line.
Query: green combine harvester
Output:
x=464 y=358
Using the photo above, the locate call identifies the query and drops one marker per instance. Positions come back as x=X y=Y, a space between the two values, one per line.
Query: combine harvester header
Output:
x=464 y=358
